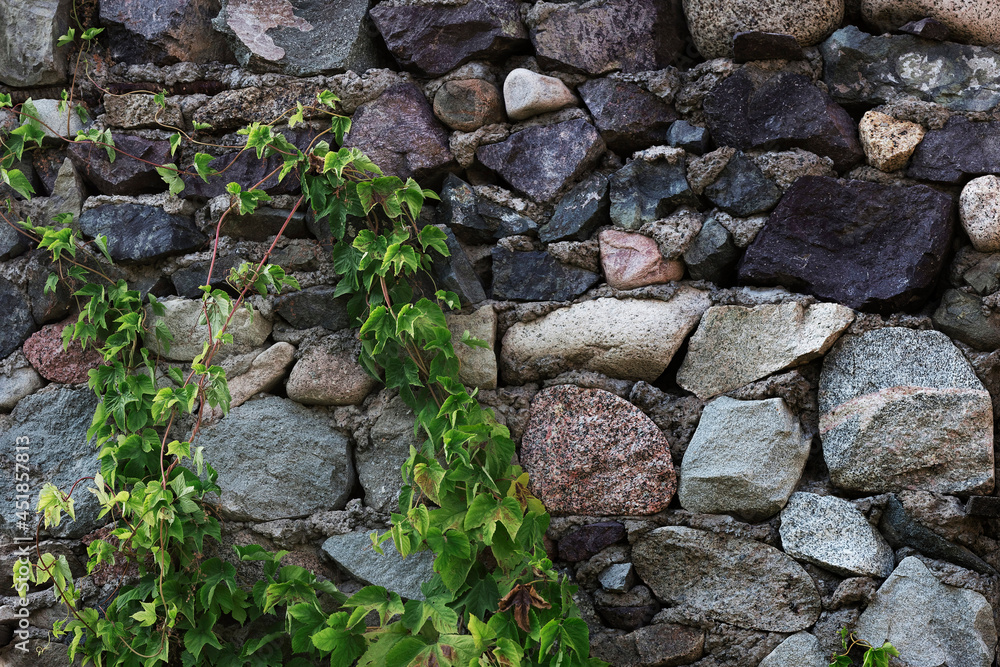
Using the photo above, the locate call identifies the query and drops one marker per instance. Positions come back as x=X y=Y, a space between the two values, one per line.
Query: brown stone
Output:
x=44 y=349
x=329 y=374
x=468 y=104
x=587 y=541
x=634 y=260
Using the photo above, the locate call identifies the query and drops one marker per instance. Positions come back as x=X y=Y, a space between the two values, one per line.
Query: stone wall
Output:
x=742 y=291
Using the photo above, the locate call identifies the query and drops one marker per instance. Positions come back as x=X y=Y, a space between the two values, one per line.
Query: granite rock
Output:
x=801 y=649
x=962 y=316
x=527 y=94
x=957 y=150
x=757 y=45
x=354 y=554
x=633 y=260
x=329 y=373
x=140 y=111
x=181 y=319
x=979 y=211
x=589 y=540
x=137 y=232
x=713 y=254
x=629 y=117
x=382 y=455
x=313 y=307
x=468 y=104
x=537 y=276
x=646 y=190
x=588 y=451
x=477 y=365
x=580 y=212
x=742 y=189
x=266 y=371
x=162 y=33
x=654 y=645
x=134 y=170
x=966 y=22
x=44 y=349
x=17 y=321
x=56 y=122
x=30 y=30
x=888 y=143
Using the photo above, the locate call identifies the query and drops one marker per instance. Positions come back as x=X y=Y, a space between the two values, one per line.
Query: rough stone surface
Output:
x=434 y=39
x=54 y=122
x=28 y=50
x=888 y=143
x=644 y=191
x=181 y=319
x=580 y=212
x=161 y=32
x=541 y=161
x=354 y=554
x=455 y=273
x=478 y=366
x=468 y=104
x=527 y=94
x=136 y=232
x=17 y=321
x=537 y=276
x=745 y=459
x=588 y=451
x=68 y=193
x=16 y=385
x=735 y=345
x=634 y=260
x=979 y=211
x=625 y=35
x=859 y=68
x=656 y=645
x=589 y=540
x=714 y=24
x=271 y=475
x=801 y=649
x=967 y=22
x=728 y=579
x=44 y=349
x=927 y=28
x=832 y=533
x=329 y=374
x=742 y=189
x=928 y=621
x=756 y=45
x=692 y=138
x=869 y=246
x=713 y=254
x=903 y=409
x=128 y=175
x=585 y=336
x=12 y=242
x=962 y=317
x=138 y=111
x=313 y=307
x=957 y=150
x=629 y=117
x=380 y=457
x=266 y=370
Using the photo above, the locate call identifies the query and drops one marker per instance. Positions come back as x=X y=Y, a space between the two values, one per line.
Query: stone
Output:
x=13 y=242
x=757 y=45
x=713 y=25
x=587 y=451
x=785 y=111
x=134 y=169
x=537 y=276
x=623 y=35
x=903 y=409
x=17 y=321
x=691 y=138
x=265 y=223
x=742 y=189
x=138 y=111
x=433 y=39
x=29 y=55
x=713 y=254
x=16 y=385
x=736 y=345
x=162 y=33
x=282 y=461
x=243 y=168
x=53 y=425
x=957 y=150
x=888 y=143
x=400 y=133
x=629 y=117
x=137 y=232
x=627 y=617
x=477 y=365
x=56 y=123
x=586 y=336
x=68 y=192
x=504 y=221
x=459 y=210
x=329 y=373
x=380 y=458
x=984 y=275
x=313 y=307
x=966 y=23
x=237 y=107
x=847 y=230
x=962 y=317
x=727 y=579
x=633 y=260
x=580 y=212
x=189 y=280
x=801 y=649
x=455 y=273
x=541 y=161
x=832 y=533
x=589 y=540
x=527 y=94
x=354 y=554
x=979 y=211
x=654 y=645
x=44 y=349
x=181 y=319
x=266 y=371
x=643 y=191
x=619 y=577
x=299 y=37
x=745 y=459
x=927 y=28
x=984 y=506
x=468 y=104
x=870 y=70
x=929 y=622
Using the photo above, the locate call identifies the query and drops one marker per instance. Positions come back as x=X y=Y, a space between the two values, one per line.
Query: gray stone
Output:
x=832 y=533
x=691 y=138
x=929 y=622
x=713 y=254
x=189 y=280
x=329 y=373
x=735 y=345
x=181 y=318
x=19 y=383
x=134 y=169
x=859 y=68
x=313 y=307
x=618 y=577
x=163 y=32
x=68 y=192
x=137 y=232
x=56 y=123
x=17 y=321
x=279 y=460
x=12 y=242
x=265 y=223
x=800 y=650
x=527 y=94
x=959 y=149
x=580 y=212
x=903 y=409
x=353 y=553
x=29 y=30
x=646 y=190
x=477 y=365
x=537 y=276
x=728 y=579
x=745 y=459
x=455 y=273
x=380 y=458
x=742 y=189
x=961 y=316
x=504 y=220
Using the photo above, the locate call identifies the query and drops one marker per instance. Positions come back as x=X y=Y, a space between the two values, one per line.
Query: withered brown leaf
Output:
x=522 y=598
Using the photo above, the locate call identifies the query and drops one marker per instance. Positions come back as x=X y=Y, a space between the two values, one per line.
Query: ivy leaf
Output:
x=18 y=181
x=201 y=161
x=147 y=616
x=91 y=33
x=340 y=125
x=296 y=118
x=67 y=38
x=327 y=98
x=175 y=141
x=171 y=177
x=160 y=99
x=521 y=599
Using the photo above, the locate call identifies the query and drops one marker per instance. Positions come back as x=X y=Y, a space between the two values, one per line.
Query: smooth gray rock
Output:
x=832 y=533
x=903 y=409
x=618 y=577
x=745 y=459
x=380 y=459
x=353 y=552
x=691 y=138
x=29 y=30
x=181 y=317
x=278 y=460
x=800 y=650
x=728 y=579
x=19 y=383
x=929 y=622
x=136 y=232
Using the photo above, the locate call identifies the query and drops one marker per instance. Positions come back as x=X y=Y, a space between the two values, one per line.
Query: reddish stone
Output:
x=590 y=540
x=634 y=260
x=588 y=451
x=44 y=350
x=468 y=104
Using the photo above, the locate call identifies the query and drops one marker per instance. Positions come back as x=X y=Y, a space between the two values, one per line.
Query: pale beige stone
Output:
x=265 y=372
x=979 y=209
x=249 y=330
x=329 y=374
x=527 y=94
x=968 y=21
x=888 y=143
x=477 y=365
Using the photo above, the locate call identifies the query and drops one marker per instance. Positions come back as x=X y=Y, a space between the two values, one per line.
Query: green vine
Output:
x=495 y=598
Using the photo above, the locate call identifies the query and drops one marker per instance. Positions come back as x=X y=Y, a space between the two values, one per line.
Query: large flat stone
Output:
x=181 y=317
x=801 y=650
x=133 y=171
x=18 y=323
x=382 y=456
x=353 y=552
x=29 y=30
x=537 y=276
x=136 y=232
x=960 y=149
x=162 y=32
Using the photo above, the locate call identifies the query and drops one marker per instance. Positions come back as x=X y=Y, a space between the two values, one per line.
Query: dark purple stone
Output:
x=133 y=171
x=987 y=506
x=314 y=307
x=755 y=45
x=927 y=28
x=628 y=618
x=629 y=117
x=588 y=541
x=869 y=246
x=537 y=276
x=960 y=149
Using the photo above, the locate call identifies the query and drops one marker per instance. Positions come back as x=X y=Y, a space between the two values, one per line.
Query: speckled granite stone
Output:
x=590 y=452
x=969 y=21
x=44 y=349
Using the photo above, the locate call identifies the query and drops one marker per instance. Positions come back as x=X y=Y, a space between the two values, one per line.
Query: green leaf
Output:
x=201 y=161
x=175 y=142
x=201 y=126
x=327 y=98
x=67 y=38
x=171 y=177
x=91 y=33
x=160 y=99
x=147 y=616
x=18 y=181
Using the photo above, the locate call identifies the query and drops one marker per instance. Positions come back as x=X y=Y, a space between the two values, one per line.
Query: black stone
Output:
x=17 y=321
x=628 y=117
x=756 y=45
x=628 y=618
x=786 y=111
x=13 y=241
x=584 y=209
x=505 y=221
x=246 y=169
x=537 y=276
x=985 y=506
x=589 y=540
x=960 y=315
x=742 y=189
x=644 y=191
x=51 y=306
x=960 y=149
x=901 y=530
x=187 y=281
x=691 y=138
x=134 y=169
x=927 y=28
x=314 y=307
x=137 y=232
x=459 y=211
x=456 y=273
x=265 y=223
x=871 y=247
x=713 y=254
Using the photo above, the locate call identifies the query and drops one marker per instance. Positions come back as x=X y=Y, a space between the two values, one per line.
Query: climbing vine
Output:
x=495 y=598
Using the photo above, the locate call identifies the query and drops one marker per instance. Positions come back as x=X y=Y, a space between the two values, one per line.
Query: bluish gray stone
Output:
x=137 y=232
x=691 y=138
x=380 y=459
x=29 y=30
x=537 y=276
x=17 y=321
x=713 y=254
x=742 y=189
x=353 y=552
x=643 y=191
x=800 y=650
x=313 y=307
x=455 y=272
x=580 y=212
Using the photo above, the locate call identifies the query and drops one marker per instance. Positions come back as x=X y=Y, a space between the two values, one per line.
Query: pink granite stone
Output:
x=634 y=260
x=44 y=350
x=588 y=451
